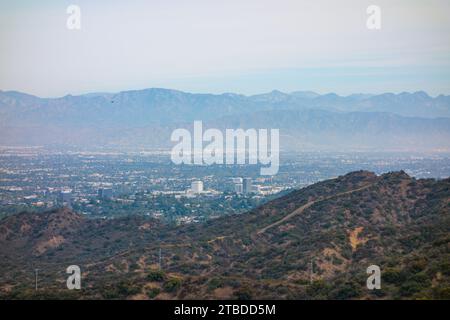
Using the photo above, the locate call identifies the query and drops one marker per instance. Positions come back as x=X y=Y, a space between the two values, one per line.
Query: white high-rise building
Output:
x=197 y=186
x=238 y=187
x=237 y=180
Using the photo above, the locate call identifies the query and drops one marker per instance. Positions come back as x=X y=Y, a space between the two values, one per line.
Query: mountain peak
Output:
x=422 y=94
x=305 y=94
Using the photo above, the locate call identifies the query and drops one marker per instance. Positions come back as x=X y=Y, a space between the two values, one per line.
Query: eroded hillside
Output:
x=310 y=244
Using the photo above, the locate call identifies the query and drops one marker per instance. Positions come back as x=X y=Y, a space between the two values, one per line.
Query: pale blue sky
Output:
x=238 y=46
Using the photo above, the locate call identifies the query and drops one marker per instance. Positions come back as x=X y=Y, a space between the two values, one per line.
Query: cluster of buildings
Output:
x=237 y=185
x=242 y=185
x=198 y=189
x=65 y=196
x=248 y=186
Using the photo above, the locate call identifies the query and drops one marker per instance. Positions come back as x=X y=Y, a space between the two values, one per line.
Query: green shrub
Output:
x=394 y=276
x=409 y=288
x=172 y=285
x=243 y=294
x=153 y=292
x=156 y=276
x=215 y=283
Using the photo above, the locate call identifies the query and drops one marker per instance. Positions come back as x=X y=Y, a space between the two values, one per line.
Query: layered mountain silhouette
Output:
x=313 y=243
x=145 y=118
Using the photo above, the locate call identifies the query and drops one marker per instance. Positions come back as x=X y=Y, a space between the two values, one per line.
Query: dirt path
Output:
x=306 y=206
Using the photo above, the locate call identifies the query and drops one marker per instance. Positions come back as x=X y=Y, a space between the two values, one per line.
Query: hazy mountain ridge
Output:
x=417 y=104
x=341 y=225
x=306 y=119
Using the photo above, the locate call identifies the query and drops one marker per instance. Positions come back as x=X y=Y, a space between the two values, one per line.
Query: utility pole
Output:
x=311 y=271
x=36 y=279
x=160 y=258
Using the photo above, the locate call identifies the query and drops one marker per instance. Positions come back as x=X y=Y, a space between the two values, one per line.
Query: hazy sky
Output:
x=243 y=46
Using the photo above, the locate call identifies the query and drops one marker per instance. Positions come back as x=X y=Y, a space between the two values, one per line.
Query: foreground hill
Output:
x=310 y=244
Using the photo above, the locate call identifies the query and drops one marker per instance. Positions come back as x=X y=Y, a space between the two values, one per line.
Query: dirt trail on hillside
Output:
x=306 y=206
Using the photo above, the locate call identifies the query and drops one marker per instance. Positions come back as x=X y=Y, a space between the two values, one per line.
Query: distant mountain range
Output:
x=145 y=118
x=313 y=243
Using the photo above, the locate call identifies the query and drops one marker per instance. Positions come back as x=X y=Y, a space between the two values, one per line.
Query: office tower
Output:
x=238 y=187
x=65 y=196
x=247 y=184
x=237 y=180
x=105 y=193
x=197 y=186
